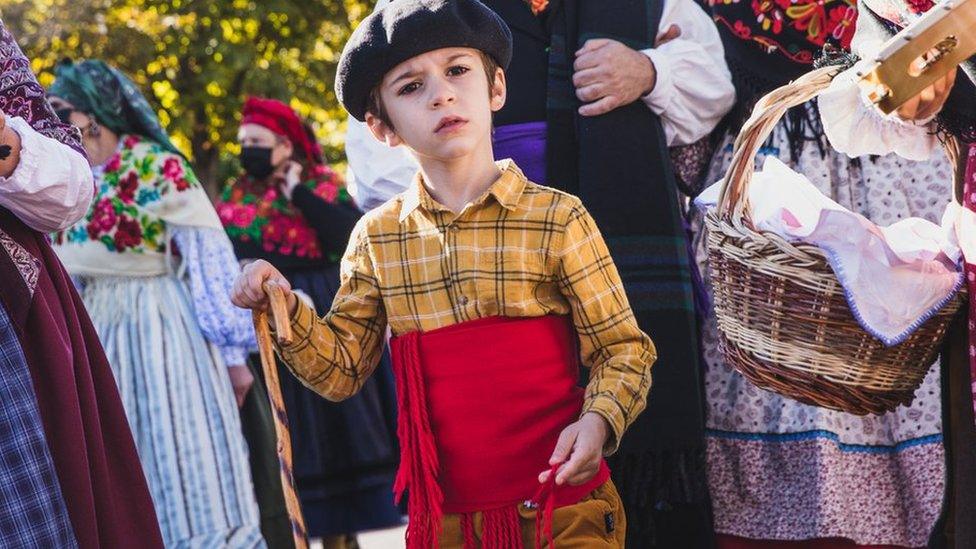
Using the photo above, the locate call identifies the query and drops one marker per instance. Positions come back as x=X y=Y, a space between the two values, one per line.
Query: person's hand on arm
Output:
x=248 y=291
x=579 y=450
x=241 y=379
x=290 y=179
x=608 y=74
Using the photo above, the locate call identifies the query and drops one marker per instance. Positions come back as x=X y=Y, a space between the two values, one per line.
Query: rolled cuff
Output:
x=609 y=410
x=663 y=91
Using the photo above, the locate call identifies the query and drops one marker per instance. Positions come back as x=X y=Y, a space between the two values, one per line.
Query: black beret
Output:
x=407 y=28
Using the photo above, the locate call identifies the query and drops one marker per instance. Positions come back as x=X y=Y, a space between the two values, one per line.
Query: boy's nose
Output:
x=441 y=94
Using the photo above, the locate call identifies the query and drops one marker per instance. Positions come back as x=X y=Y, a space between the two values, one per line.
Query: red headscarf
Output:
x=282 y=120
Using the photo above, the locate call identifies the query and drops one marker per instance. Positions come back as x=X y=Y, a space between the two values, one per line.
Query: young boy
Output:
x=493 y=287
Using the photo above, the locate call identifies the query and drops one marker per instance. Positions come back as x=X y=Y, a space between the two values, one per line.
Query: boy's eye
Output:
x=457 y=70
x=409 y=88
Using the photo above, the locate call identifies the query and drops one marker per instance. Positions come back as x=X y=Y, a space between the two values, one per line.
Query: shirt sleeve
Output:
x=377 y=172
x=694 y=87
x=52 y=186
x=334 y=355
x=617 y=352
x=211 y=268
x=853 y=125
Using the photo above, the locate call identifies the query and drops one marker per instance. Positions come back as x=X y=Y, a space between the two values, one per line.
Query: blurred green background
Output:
x=196 y=61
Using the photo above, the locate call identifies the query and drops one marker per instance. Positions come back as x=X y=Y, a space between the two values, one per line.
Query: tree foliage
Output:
x=196 y=60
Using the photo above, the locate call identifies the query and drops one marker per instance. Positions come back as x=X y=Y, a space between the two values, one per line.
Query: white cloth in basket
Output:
x=895 y=278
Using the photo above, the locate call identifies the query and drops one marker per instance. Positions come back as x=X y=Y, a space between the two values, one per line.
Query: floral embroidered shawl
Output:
x=139 y=190
x=252 y=211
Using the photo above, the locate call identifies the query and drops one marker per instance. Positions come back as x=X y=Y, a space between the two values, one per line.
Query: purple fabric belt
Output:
x=526 y=145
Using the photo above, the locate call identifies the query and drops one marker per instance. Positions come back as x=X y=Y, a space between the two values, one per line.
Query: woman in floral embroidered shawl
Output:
x=155 y=268
x=291 y=209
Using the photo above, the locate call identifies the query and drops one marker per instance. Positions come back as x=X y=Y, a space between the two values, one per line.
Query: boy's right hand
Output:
x=248 y=291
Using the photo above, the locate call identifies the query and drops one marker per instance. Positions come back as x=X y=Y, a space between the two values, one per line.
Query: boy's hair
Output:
x=374 y=104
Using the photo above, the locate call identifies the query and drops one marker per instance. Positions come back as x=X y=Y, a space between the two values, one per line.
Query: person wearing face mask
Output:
x=154 y=267
x=292 y=210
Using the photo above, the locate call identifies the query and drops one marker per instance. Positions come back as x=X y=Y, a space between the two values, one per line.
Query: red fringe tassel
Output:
x=418 y=454
x=545 y=502
x=501 y=529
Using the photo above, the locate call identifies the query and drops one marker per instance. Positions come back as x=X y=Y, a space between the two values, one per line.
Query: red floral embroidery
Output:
x=244 y=215
x=768 y=15
x=123 y=217
x=920 y=6
x=253 y=213
x=114 y=163
x=128 y=186
x=173 y=170
x=809 y=16
x=128 y=234
x=843 y=20
x=796 y=29
x=538 y=6
x=103 y=217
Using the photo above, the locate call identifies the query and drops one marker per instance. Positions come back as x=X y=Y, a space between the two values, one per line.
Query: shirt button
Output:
x=455 y=228
x=463 y=300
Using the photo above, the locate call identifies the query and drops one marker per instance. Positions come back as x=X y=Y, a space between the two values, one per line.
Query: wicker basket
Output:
x=785 y=323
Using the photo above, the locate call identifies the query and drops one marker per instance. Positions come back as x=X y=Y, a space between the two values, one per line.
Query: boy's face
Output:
x=439 y=104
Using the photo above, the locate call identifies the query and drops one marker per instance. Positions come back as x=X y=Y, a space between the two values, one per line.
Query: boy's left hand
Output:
x=580 y=446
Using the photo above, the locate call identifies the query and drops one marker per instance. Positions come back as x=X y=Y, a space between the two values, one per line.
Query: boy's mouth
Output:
x=449 y=124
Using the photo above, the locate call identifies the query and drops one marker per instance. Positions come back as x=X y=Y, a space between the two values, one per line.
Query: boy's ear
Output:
x=382 y=131
x=498 y=91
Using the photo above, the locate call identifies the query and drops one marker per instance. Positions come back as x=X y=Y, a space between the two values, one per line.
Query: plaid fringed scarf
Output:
x=618 y=164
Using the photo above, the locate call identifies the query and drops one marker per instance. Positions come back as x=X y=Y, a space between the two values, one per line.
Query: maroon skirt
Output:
x=94 y=455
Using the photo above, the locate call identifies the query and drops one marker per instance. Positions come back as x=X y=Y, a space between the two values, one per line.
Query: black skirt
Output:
x=345 y=453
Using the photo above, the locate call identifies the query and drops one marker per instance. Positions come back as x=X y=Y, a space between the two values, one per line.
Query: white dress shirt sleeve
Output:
x=694 y=88
x=855 y=127
x=52 y=185
x=377 y=172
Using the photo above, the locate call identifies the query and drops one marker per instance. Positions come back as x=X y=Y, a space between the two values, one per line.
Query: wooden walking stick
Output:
x=279 y=315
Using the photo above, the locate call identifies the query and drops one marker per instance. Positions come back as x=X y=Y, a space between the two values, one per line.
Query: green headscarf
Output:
x=96 y=88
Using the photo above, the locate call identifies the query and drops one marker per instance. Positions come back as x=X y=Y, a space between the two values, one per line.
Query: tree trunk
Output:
x=205 y=163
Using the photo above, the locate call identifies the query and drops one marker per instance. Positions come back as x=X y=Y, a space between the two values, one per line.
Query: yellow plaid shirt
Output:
x=520 y=250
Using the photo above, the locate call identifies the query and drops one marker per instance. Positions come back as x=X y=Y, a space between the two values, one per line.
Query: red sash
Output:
x=481 y=406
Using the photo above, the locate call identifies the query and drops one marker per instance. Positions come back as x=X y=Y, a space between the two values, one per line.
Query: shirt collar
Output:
x=507 y=190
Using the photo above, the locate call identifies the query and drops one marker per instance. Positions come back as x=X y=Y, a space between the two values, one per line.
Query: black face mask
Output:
x=256 y=161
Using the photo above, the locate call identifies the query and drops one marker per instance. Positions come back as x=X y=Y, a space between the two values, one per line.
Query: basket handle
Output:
x=733 y=201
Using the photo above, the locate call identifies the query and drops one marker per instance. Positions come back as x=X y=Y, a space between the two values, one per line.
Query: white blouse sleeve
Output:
x=855 y=127
x=208 y=256
x=377 y=172
x=694 y=87
x=52 y=185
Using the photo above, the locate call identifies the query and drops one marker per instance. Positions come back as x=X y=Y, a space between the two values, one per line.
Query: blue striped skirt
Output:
x=181 y=407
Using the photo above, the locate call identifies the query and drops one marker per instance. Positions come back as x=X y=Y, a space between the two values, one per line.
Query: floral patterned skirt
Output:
x=781 y=470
